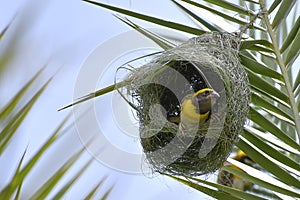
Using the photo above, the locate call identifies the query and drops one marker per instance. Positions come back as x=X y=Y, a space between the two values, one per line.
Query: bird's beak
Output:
x=215 y=95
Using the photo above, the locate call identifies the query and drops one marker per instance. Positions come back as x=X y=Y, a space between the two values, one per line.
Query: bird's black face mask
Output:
x=205 y=99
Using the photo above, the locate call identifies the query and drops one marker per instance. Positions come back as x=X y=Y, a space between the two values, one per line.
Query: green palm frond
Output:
x=12 y=115
x=164 y=23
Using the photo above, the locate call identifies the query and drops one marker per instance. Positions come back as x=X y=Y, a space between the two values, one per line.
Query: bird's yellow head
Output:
x=204 y=99
x=196 y=107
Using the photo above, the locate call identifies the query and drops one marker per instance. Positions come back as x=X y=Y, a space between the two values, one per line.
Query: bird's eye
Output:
x=206 y=92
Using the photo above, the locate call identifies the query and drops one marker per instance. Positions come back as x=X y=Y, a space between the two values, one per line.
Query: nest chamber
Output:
x=157 y=89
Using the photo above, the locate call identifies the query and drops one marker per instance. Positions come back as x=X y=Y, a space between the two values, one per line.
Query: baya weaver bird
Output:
x=231 y=180
x=196 y=108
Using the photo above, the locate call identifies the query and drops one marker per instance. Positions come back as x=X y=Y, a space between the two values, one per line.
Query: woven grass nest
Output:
x=158 y=88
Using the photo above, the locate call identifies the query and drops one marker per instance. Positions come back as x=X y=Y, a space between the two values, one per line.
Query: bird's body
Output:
x=231 y=180
x=189 y=113
x=196 y=108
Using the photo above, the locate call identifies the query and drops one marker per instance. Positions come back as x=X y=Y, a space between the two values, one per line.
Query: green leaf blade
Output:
x=162 y=42
x=197 y=17
x=271 y=128
x=13 y=184
x=62 y=191
x=154 y=20
x=16 y=99
x=259 y=68
x=277 y=155
x=231 y=6
x=262 y=103
x=294 y=50
x=230 y=190
x=223 y=15
x=206 y=190
x=259 y=158
x=45 y=189
x=283 y=12
x=291 y=36
x=263 y=85
x=13 y=124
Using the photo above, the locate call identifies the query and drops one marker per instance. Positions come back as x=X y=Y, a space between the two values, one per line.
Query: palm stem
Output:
x=282 y=67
